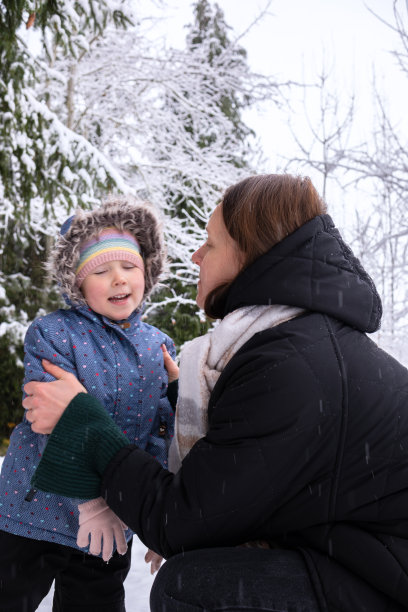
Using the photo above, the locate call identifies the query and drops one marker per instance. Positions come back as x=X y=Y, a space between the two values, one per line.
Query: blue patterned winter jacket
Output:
x=122 y=366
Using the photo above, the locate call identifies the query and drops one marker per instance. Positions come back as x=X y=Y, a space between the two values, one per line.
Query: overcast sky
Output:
x=297 y=36
x=292 y=42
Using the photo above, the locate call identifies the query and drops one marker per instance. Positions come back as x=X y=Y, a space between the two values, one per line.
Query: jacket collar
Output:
x=134 y=318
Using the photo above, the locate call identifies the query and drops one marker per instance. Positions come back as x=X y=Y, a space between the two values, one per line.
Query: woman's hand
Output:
x=46 y=401
x=170 y=365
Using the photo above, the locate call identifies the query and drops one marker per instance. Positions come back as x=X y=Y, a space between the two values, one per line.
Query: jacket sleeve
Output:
x=40 y=344
x=266 y=424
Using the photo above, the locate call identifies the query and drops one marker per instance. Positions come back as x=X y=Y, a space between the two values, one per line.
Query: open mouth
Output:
x=117 y=299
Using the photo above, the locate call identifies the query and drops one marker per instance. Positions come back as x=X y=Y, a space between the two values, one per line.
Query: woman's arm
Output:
x=41 y=345
x=232 y=481
x=80 y=447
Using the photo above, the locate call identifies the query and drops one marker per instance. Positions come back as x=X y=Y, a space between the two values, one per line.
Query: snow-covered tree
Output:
x=170 y=121
x=327 y=121
x=382 y=170
x=207 y=109
x=46 y=168
x=381 y=233
x=106 y=107
x=373 y=180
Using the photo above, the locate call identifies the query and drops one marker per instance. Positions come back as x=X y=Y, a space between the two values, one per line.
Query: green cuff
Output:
x=79 y=449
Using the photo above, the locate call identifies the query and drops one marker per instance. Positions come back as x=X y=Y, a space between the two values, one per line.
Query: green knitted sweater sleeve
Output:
x=79 y=449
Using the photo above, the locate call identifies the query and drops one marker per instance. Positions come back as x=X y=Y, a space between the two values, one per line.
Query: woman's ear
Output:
x=240 y=257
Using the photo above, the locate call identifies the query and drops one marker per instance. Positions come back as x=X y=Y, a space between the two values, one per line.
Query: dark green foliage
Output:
x=11 y=15
x=11 y=378
x=207 y=39
x=36 y=151
x=27 y=292
x=22 y=262
x=180 y=321
x=210 y=29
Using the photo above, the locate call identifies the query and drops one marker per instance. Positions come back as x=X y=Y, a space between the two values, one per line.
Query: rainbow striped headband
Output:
x=110 y=245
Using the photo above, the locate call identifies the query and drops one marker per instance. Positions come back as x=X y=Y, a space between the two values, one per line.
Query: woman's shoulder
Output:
x=294 y=351
x=287 y=338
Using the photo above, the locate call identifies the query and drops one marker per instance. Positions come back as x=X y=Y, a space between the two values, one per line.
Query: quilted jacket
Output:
x=122 y=366
x=307 y=445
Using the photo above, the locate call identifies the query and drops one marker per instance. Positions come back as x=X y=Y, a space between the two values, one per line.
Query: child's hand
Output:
x=154 y=559
x=170 y=365
x=99 y=527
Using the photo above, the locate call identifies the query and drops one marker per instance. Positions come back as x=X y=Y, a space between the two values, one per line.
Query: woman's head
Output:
x=255 y=214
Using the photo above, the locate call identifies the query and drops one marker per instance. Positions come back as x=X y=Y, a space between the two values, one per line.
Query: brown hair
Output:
x=259 y=212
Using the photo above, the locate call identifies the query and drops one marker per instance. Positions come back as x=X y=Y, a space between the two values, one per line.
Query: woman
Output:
x=292 y=427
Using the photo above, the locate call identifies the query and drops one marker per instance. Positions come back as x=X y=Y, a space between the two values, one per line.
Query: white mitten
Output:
x=100 y=527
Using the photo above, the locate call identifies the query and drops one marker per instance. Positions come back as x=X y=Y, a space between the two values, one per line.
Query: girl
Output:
x=106 y=262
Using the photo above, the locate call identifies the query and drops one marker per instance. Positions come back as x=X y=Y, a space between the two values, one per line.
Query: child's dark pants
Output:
x=82 y=582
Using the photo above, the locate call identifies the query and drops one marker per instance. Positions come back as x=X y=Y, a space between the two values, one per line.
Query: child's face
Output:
x=114 y=289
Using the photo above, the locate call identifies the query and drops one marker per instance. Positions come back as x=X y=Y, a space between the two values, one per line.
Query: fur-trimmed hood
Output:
x=126 y=214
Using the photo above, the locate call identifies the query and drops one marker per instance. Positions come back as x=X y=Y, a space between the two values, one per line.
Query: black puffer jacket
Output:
x=308 y=437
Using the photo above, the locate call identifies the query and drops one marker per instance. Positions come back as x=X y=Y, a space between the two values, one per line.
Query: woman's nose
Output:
x=196 y=257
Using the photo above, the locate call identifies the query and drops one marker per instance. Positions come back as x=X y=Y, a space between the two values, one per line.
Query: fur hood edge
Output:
x=126 y=214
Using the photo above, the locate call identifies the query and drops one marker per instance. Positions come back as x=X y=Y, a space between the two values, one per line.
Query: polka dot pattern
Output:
x=121 y=367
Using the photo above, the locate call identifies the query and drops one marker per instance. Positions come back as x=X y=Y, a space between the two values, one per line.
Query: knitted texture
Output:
x=109 y=245
x=126 y=214
x=82 y=444
x=123 y=369
x=201 y=362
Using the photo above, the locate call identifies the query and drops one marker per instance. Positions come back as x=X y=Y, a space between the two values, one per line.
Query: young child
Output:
x=106 y=262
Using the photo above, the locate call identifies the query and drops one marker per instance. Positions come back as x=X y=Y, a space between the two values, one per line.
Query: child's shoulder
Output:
x=52 y=319
x=60 y=315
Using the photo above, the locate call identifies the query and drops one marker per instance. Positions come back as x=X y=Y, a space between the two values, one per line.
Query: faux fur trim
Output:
x=122 y=212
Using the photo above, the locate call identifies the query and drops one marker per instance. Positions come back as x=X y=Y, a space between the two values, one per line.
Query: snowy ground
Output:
x=137 y=585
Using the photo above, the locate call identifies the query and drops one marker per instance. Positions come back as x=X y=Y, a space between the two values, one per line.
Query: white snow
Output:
x=137 y=585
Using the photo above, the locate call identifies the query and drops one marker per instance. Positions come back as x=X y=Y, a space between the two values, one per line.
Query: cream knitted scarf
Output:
x=201 y=362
